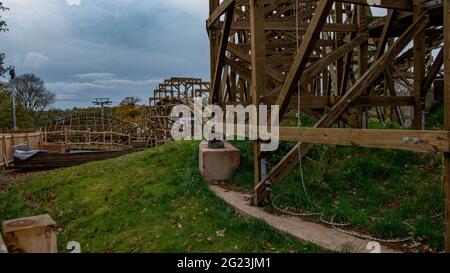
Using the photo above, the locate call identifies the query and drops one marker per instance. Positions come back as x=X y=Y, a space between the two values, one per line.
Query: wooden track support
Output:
x=347 y=67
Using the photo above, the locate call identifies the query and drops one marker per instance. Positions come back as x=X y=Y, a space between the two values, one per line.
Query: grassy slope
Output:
x=375 y=190
x=153 y=201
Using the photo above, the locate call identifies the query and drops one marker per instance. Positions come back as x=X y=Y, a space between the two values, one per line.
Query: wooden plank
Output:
x=340 y=52
x=416 y=141
x=4 y=152
x=219 y=11
x=214 y=47
x=419 y=69
x=221 y=55
x=433 y=72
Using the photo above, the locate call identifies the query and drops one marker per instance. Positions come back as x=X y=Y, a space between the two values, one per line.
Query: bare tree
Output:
x=130 y=101
x=32 y=93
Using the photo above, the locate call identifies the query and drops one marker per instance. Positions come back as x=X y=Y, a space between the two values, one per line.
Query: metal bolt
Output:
x=406 y=140
x=416 y=140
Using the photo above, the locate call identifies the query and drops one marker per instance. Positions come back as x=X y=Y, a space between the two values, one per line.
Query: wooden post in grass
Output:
x=30 y=235
x=419 y=67
x=258 y=84
x=447 y=120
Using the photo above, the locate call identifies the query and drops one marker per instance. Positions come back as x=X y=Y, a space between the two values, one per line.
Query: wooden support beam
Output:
x=221 y=55
x=258 y=84
x=363 y=55
x=213 y=41
x=302 y=57
x=339 y=41
x=416 y=141
x=348 y=61
x=219 y=11
x=340 y=52
x=447 y=120
x=292 y=158
x=433 y=71
x=374 y=71
x=419 y=68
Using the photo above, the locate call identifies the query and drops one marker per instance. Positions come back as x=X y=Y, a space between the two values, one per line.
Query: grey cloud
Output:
x=94 y=76
x=35 y=60
x=113 y=48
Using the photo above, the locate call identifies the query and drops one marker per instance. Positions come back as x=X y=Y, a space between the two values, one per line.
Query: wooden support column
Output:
x=258 y=84
x=447 y=120
x=220 y=57
x=301 y=59
x=348 y=61
x=339 y=41
x=363 y=54
x=419 y=68
x=366 y=81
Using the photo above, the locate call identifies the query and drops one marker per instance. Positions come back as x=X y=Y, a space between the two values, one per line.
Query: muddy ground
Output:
x=9 y=177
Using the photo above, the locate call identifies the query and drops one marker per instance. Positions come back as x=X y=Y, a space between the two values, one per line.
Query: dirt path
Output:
x=317 y=234
x=9 y=177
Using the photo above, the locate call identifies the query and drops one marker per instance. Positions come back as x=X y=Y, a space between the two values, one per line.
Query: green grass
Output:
x=154 y=201
x=374 y=190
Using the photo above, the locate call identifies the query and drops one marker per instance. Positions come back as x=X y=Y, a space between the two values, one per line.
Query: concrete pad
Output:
x=217 y=165
x=325 y=237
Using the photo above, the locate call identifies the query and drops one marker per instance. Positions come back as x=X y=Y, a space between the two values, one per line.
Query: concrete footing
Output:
x=217 y=165
x=30 y=235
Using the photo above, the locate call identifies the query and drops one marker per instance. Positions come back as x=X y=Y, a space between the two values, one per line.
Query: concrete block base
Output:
x=30 y=235
x=217 y=165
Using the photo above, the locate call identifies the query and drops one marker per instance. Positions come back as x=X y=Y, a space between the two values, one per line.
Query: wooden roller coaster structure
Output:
x=91 y=132
x=171 y=92
x=340 y=63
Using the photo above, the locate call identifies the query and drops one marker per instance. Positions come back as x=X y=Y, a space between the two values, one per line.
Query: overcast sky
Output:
x=106 y=48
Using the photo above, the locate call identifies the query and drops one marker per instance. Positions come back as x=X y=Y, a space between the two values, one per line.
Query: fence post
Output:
x=4 y=153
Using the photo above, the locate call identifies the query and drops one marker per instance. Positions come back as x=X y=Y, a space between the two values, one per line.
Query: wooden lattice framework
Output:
x=91 y=132
x=342 y=63
x=171 y=92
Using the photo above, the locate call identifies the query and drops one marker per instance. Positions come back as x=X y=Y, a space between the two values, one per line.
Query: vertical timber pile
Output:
x=258 y=63
x=419 y=67
x=447 y=119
